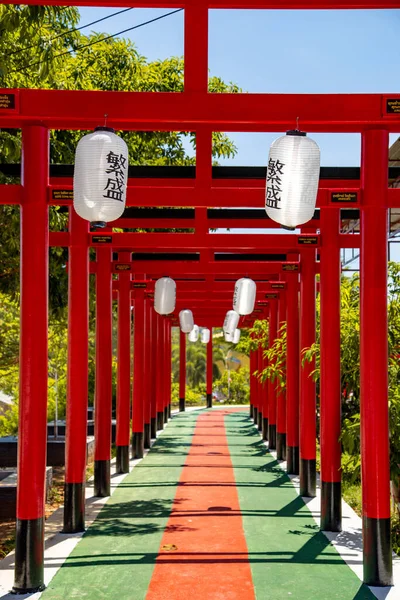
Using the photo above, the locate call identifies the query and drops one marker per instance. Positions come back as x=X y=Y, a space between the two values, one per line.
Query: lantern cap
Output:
x=98 y=224
x=288 y=228
x=296 y=132
x=105 y=129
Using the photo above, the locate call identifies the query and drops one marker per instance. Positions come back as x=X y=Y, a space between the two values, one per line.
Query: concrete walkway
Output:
x=209 y=511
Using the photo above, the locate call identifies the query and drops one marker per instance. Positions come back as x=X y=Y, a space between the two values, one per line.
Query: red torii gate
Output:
x=372 y=115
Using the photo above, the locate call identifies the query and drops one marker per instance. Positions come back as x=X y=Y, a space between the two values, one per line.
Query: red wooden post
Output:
x=169 y=368
x=196 y=49
x=160 y=372
x=292 y=374
x=77 y=375
x=331 y=508
x=209 y=369
x=281 y=395
x=182 y=371
x=103 y=391
x=153 y=374
x=260 y=389
x=147 y=374
x=374 y=361
x=264 y=398
x=138 y=374
x=165 y=371
x=33 y=363
x=272 y=395
x=308 y=429
x=124 y=366
x=253 y=383
x=256 y=389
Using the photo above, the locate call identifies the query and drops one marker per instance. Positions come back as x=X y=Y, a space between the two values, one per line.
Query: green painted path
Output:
x=289 y=557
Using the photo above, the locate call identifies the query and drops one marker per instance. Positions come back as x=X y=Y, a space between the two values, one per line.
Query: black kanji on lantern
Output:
x=116 y=180
x=274 y=183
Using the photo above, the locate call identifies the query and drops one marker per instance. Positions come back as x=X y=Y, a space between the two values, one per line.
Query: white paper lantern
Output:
x=228 y=336
x=231 y=321
x=205 y=335
x=186 y=321
x=244 y=296
x=194 y=334
x=236 y=336
x=292 y=179
x=100 y=176
x=165 y=296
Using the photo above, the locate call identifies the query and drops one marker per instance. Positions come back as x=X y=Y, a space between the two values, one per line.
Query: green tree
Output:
x=235 y=386
x=95 y=63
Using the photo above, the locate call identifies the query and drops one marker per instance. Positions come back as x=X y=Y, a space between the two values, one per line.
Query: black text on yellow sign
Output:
x=345 y=197
x=101 y=239
x=62 y=194
x=307 y=240
x=7 y=101
x=393 y=106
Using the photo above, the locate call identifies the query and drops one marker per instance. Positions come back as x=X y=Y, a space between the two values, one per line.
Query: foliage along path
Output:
x=208 y=513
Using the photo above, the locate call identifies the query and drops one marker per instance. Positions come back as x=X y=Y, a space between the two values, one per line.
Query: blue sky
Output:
x=280 y=52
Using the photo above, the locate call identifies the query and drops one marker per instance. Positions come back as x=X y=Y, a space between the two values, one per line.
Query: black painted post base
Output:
x=377 y=552
x=147 y=437
x=182 y=403
x=122 y=462
x=331 y=506
x=209 y=400
x=169 y=411
x=292 y=460
x=137 y=443
x=255 y=415
x=281 y=446
x=153 y=428
x=29 y=561
x=102 y=478
x=251 y=411
x=74 y=507
x=160 y=421
x=165 y=415
x=265 y=429
x=308 y=477
x=272 y=436
x=259 y=420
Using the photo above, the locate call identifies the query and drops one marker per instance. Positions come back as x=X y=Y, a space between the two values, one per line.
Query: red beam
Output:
x=217 y=193
x=73 y=109
x=10 y=194
x=219 y=4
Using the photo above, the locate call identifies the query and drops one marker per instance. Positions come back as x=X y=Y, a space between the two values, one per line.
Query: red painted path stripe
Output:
x=210 y=560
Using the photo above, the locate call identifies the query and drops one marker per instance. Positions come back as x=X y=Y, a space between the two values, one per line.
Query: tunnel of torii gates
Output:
x=205 y=266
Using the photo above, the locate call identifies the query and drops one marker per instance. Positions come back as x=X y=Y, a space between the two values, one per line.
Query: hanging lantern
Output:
x=186 y=321
x=164 y=296
x=244 y=297
x=292 y=179
x=205 y=335
x=236 y=336
x=228 y=336
x=231 y=321
x=194 y=334
x=100 y=176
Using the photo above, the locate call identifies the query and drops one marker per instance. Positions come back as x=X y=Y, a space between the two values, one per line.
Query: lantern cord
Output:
x=105 y=120
x=102 y=39
x=56 y=37
x=297 y=123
